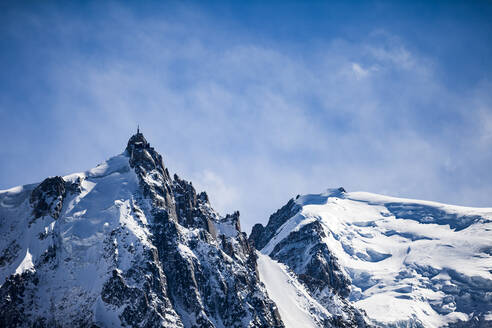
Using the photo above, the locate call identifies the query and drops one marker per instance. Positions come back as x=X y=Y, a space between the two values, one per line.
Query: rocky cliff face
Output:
x=125 y=244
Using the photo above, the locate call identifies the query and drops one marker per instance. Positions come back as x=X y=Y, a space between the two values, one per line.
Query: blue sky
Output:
x=255 y=102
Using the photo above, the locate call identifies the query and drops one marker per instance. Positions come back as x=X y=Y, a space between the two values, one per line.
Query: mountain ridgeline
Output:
x=128 y=245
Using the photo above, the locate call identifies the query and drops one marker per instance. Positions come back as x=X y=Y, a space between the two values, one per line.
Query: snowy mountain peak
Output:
x=320 y=198
x=404 y=262
x=123 y=244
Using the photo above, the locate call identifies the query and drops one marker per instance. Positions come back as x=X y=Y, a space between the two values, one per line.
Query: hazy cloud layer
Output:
x=253 y=121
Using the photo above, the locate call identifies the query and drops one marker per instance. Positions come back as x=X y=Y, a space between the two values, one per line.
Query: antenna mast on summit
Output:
x=138 y=129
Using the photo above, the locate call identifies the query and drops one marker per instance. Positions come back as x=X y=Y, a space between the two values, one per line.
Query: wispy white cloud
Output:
x=224 y=193
x=255 y=124
x=359 y=72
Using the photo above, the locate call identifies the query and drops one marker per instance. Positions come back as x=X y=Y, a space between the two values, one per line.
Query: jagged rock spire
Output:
x=143 y=156
x=137 y=142
x=159 y=255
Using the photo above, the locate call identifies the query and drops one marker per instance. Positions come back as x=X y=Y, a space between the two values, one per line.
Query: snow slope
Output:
x=82 y=238
x=410 y=262
x=297 y=308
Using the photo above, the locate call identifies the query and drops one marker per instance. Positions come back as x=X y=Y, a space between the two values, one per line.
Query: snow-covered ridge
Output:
x=409 y=261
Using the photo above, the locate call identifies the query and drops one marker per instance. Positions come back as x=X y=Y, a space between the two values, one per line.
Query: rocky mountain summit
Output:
x=125 y=244
x=128 y=245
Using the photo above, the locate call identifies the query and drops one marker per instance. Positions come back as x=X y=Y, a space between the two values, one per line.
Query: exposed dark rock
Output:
x=73 y=186
x=260 y=235
x=322 y=270
x=190 y=213
x=9 y=253
x=136 y=302
x=15 y=298
x=234 y=219
x=47 y=197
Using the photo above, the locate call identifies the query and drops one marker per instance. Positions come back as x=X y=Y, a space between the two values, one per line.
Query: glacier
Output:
x=404 y=262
